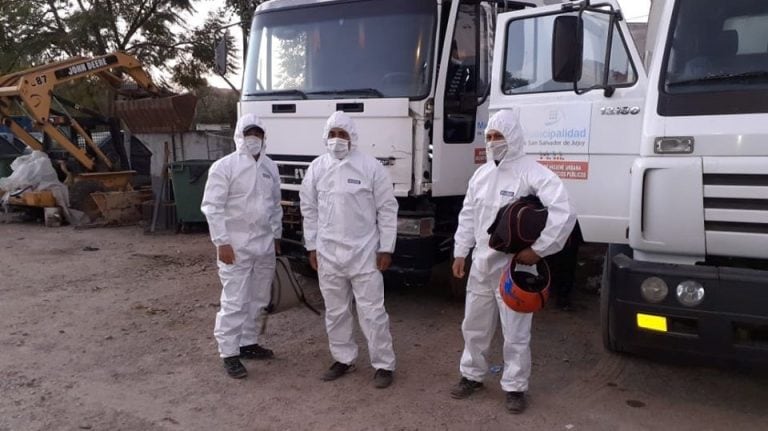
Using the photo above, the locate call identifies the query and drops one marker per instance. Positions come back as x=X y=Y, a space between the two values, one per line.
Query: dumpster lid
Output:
x=194 y=162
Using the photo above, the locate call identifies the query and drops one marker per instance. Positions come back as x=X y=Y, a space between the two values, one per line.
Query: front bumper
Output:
x=730 y=324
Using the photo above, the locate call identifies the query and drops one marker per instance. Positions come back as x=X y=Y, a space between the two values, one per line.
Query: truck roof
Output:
x=283 y=4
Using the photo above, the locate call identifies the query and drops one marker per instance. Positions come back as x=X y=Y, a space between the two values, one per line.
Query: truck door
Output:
x=461 y=97
x=590 y=140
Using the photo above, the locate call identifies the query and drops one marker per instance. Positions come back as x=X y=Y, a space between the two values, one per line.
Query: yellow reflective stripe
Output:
x=654 y=323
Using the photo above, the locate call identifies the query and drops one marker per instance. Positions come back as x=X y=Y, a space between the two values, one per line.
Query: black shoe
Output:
x=337 y=370
x=254 y=351
x=382 y=378
x=516 y=402
x=235 y=368
x=465 y=388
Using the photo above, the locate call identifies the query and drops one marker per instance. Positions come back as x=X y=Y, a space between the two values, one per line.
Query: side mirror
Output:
x=567 y=49
x=220 y=56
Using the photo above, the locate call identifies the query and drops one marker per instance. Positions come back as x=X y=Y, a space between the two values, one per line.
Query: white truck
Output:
x=388 y=63
x=665 y=158
x=664 y=153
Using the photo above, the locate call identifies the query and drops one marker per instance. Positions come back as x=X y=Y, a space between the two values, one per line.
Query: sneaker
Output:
x=382 y=378
x=465 y=388
x=235 y=368
x=337 y=370
x=516 y=402
x=254 y=351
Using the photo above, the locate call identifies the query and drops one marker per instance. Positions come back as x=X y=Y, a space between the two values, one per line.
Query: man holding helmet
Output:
x=507 y=175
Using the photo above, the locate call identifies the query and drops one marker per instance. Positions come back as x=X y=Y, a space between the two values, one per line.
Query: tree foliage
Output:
x=155 y=31
x=244 y=10
x=216 y=106
x=293 y=61
x=22 y=42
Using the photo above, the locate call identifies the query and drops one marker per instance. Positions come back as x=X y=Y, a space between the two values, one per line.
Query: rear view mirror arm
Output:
x=613 y=15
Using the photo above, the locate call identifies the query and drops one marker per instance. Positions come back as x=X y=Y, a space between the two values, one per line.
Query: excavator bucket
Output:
x=119 y=208
x=172 y=114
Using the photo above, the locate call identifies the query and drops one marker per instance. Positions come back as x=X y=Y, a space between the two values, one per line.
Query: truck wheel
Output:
x=606 y=321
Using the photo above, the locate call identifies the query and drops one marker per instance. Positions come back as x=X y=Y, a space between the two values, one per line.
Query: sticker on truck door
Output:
x=558 y=135
x=480 y=157
x=570 y=168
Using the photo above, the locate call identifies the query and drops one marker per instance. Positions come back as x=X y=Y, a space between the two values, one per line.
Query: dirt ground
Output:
x=111 y=329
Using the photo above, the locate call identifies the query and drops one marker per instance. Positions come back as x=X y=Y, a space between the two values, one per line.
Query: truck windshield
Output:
x=716 y=47
x=342 y=50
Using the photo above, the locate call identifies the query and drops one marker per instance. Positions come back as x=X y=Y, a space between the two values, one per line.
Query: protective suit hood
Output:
x=340 y=120
x=246 y=121
x=507 y=121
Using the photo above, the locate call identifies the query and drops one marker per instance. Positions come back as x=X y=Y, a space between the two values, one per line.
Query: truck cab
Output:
x=414 y=75
x=665 y=158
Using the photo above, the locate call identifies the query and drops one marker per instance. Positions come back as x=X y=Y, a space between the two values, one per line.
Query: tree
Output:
x=155 y=31
x=216 y=106
x=293 y=61
x=22 y=43
x=244 y=10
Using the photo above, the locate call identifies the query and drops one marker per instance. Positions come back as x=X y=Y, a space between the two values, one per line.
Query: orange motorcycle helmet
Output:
x=523 y=291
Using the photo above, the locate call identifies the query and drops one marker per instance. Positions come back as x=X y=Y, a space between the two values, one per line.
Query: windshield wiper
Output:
x=721 y=77
x=370 y=92
x=280 y=93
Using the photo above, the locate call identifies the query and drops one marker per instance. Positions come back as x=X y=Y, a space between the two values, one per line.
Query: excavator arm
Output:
x=32 y=90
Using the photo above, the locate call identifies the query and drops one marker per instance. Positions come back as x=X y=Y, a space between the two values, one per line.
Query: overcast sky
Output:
x=634 y=10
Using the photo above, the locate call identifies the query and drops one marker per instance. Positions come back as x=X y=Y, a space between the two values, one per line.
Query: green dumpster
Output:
x=5 y=164
x=188 y=178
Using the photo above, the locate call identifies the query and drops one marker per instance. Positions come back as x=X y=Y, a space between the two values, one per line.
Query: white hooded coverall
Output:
x=490 y=188
x=350 y=215
x=242 y=205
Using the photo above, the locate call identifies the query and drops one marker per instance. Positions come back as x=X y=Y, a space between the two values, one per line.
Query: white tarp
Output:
x=34 y=172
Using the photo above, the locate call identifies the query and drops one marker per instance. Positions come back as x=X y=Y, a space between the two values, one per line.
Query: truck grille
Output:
x=293 y=173
x=736 y=214
x=292 y=169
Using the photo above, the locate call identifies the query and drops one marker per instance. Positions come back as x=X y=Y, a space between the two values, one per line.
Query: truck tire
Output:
x=606 y=322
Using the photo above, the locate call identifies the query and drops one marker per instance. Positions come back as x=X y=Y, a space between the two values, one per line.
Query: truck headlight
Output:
x=654 y=289
x=421 y=227
x=690 y=293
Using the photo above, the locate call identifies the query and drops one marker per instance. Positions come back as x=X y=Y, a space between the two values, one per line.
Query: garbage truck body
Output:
x=665 y=158
x=662 y=149
x=414 y=74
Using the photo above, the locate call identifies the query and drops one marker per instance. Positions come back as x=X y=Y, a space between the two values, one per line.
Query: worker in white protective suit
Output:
x=507 y=175
x=350 y=228
x=242 y=206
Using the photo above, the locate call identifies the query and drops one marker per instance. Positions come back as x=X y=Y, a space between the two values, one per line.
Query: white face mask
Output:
x=496 y=150
x=338 y=148
x=253 y=145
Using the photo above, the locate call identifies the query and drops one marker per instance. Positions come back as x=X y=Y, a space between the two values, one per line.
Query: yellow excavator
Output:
x=31 y=93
